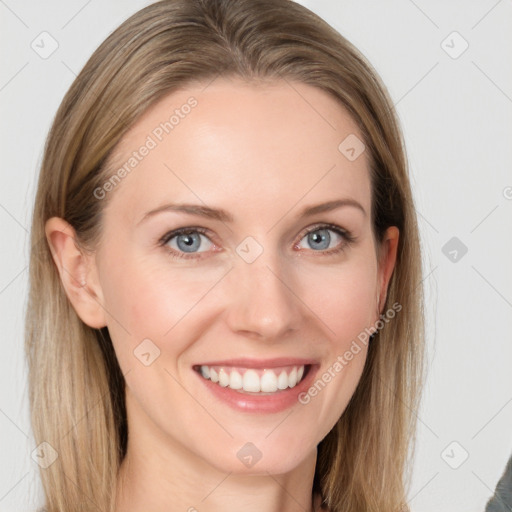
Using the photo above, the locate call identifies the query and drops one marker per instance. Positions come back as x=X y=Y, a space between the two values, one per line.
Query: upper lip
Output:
x=261 y=363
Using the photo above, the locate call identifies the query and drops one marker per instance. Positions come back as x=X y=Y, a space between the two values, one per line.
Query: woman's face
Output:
x=245 y=296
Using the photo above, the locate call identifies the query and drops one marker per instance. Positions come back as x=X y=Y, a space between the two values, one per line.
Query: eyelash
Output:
x=348 y=237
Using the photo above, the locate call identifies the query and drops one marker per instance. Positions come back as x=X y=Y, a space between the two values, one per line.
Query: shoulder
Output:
x=502 y=499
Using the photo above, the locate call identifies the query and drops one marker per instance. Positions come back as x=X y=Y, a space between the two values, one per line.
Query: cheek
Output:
x=343 y=297
x=156 y=299
x=150 y=300
x=345 y=305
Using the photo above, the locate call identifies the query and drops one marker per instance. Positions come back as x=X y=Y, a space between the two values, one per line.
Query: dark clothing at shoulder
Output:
x=502 y=499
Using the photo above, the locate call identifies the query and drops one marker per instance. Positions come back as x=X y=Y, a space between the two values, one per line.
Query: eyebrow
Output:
x=223 y=216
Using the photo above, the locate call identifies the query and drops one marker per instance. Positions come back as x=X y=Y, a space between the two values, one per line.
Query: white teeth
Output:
x=269 y=382
x=282 y=381
x=251 y=380
x=236 y=381
x=292 y=378
x=223 y=378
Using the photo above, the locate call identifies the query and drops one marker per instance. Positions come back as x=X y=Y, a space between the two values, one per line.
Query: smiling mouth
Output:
x=254 y=380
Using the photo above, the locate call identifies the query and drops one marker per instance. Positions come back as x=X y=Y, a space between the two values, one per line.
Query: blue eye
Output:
x=190 y=242
x=187 y=240
x=320 y=238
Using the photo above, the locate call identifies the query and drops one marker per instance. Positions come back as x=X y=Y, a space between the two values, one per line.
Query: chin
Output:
x=263 y=456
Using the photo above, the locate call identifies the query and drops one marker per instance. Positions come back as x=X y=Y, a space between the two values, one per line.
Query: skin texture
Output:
x=262 y=153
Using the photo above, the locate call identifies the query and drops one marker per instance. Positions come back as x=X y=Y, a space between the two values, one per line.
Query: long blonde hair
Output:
x=75 y=384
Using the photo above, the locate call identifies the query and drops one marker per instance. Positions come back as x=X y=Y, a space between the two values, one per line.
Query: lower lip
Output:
x=270 y=403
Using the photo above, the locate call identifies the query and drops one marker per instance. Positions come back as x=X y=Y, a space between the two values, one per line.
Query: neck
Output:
x=160 y=474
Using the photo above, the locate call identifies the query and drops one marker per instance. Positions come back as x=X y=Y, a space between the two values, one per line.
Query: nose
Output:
x=262 y=301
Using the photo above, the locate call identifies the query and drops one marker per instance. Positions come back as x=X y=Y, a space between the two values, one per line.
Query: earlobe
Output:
x=77 y=272
x=387 y=261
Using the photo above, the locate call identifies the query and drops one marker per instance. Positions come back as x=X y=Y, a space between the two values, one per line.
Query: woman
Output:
x=223 y=218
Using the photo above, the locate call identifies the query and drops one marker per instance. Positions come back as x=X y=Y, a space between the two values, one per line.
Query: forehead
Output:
x=253 y=145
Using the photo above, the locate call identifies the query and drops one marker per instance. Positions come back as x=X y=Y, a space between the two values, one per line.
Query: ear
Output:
x=77 y=270
x=387 y=261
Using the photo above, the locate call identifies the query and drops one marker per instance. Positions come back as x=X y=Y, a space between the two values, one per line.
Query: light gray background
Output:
x=456 y=115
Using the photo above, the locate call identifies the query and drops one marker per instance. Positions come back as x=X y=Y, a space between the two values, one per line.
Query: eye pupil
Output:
x=189 y=242
x=319 y=236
